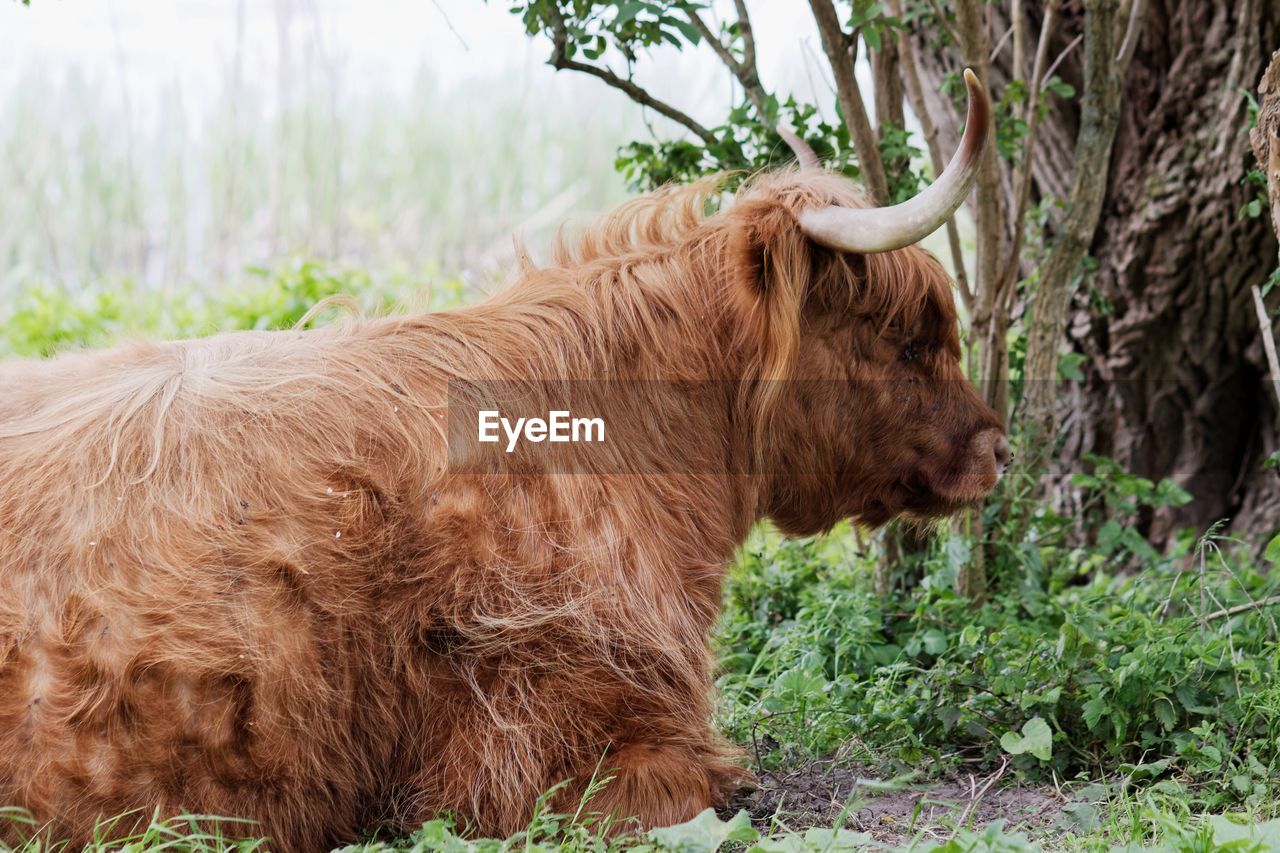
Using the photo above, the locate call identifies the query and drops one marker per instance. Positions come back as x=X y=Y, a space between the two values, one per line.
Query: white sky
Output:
x=154 y=45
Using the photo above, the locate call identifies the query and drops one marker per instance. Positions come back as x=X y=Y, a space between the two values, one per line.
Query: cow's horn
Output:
x=884 y=229
x=804 y=154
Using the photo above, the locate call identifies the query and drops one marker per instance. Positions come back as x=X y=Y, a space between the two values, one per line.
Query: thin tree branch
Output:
x=1136 y=11
x=888 y=89
x=1000 y=43
x=915 y=94
x=1022 y=191
x=1019 y=39
x=1100 y=109
x=1268 y=340
x=837 y=44
x=887 y=77
x=988 y=323
x=1066 y=51
x=561 y=62
x=448 y=23
x=941 y=15
x=745 y=71
x=748 y=35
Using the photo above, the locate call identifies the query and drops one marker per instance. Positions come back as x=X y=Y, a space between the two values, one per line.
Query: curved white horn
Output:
x=805 y=155
x=884 y=229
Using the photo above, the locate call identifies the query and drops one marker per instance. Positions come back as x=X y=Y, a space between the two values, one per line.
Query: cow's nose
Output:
x=991 y=452
x=1003 y=453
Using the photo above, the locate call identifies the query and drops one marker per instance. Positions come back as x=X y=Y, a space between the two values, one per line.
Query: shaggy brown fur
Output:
x=238 y=576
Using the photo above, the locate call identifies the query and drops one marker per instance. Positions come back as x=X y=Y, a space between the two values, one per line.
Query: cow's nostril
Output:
x=1001 y=450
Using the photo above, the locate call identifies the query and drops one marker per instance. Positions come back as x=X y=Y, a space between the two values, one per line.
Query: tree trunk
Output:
x=1175 y=376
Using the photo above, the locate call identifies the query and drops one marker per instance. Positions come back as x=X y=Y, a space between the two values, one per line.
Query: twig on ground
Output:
x=977 y=795
x=1241 y=608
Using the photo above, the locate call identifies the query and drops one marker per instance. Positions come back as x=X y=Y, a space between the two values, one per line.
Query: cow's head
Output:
x=864 y=409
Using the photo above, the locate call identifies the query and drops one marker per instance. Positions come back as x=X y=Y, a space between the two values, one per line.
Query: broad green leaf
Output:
x=1036 y=738
x=821 y=838
x=705 y=833
x=627 y=11
x=1273 y=550
x=1069 y=366
x=1093 y=711
x=1245 y=834
x=1083 y=817
x=688 y=30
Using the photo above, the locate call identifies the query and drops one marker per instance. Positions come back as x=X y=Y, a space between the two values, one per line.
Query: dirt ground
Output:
x=815 y=792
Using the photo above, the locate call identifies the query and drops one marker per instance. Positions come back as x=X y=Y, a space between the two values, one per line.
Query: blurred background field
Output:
x=193 y=141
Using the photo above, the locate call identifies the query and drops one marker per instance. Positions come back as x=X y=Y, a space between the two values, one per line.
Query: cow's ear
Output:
x=769 y=251
x=771 y=264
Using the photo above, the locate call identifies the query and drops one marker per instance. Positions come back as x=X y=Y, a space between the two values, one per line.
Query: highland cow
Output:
x=242 y=575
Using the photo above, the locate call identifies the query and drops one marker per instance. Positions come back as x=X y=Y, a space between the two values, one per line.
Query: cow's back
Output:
x=187 y=572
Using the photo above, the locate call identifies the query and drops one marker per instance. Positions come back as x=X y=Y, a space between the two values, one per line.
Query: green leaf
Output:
x=705 y=833
x=1083 y=817
x=628 y=11
x=1062 y=89
x=959 y=550
x=1244 y=834
x=1093 y=711
x=1149 y=770
x=1069 y=366
x=1272 y=554
x=1036 y=738
x=1187 y=695
x=821 y=838
x=1272 y=281
x=688 y=30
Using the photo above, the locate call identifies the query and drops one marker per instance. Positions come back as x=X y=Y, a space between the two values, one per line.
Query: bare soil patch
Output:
x=814 y=794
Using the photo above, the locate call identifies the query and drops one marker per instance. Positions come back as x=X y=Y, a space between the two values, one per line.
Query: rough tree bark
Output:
x=1175 y=375
x=1265 y=138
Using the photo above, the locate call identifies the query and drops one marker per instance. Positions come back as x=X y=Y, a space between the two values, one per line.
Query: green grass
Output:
x=1132 y=823
x=1139 y=687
